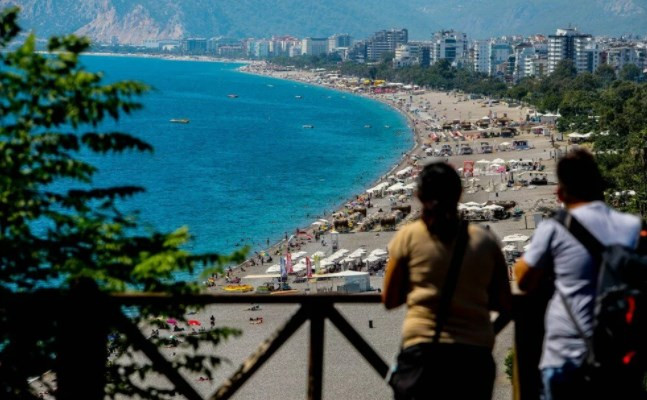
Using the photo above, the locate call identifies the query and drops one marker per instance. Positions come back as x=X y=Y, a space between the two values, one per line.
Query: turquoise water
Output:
x=244 y=170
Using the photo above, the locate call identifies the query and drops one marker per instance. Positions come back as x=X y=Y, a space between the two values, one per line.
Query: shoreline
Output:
x=401 y=162
x=422 y=112
x=168 y=57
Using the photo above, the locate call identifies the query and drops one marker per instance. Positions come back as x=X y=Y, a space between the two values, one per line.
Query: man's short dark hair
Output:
x=439 y=182
x=579 y=176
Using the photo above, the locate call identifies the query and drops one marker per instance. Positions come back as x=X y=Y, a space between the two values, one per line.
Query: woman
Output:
x=446 y=349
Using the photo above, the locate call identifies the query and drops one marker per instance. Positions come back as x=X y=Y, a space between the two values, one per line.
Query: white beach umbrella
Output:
x=515 y=238
x=273 y=269
x=357 y=253
x=298 y=255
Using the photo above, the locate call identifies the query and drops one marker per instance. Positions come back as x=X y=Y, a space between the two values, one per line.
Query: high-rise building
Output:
x=405 y=55
x=481 y=56
x=618 y=57
x=499 y=53
x=339 y=42
x=385 y=41
x=537 y=66
x=357 y=52
x=194 y=45
x=262 y=49
x=523 y=54
x=568 y=44
x=450 y=46
x=314 y=46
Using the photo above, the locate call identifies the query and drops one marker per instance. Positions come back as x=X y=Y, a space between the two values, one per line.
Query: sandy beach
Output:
x=346 y=374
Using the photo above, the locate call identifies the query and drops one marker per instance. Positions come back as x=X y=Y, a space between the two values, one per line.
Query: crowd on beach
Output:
x=513 y=161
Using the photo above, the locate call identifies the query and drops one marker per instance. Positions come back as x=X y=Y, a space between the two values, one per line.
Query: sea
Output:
x=244 y=170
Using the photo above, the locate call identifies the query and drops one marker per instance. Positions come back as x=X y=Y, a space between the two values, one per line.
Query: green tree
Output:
x=51 y=111
x=606 y=74
x=630 y=72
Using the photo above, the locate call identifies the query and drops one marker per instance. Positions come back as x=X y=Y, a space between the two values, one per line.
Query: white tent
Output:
x=493 y=207
x=483 y=162
x=357 y=253
x=472 y=204
x=297 y=255
x=515 y=238
x=273 y=269
x=404 y=171
x=395 y=188
x=378 y=188
x=498 y=161
x=300 y=266
x=317 y=253
x=378 y=252
x=338 y=255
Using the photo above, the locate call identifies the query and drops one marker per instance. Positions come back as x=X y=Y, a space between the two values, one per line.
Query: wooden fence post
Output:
x=82 y=339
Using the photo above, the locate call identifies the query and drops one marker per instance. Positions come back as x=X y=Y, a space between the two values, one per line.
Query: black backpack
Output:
x=620 y=316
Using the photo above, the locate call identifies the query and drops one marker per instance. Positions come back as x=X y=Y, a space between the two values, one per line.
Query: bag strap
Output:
x=579 y=232
x=595 y=248
x=449 y=287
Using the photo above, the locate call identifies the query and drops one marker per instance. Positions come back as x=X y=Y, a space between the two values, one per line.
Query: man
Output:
x=580 y=189
x=458 y=363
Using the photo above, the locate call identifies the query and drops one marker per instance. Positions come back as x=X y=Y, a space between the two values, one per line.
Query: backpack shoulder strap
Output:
x=452 y=279
x=579 y=232
x=595 y=248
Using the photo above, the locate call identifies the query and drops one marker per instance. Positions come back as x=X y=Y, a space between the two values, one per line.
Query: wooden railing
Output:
x=80 y=370
x=82 y=374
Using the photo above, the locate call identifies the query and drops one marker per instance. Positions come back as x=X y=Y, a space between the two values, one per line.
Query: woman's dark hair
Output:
x=579 y=176
x=439 y=182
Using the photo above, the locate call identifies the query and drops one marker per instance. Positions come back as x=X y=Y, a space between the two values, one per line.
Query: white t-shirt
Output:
x=552 y=245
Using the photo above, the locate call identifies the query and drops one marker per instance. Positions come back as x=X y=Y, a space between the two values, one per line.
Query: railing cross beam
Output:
x=316 y=353
x=260 y=356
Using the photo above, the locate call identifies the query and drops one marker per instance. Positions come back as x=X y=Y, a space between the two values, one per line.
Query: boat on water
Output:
x=308 y=126
x=180 y=121
x=367 y=126
x=298 y=97
x=232 y=96
x=387 y=126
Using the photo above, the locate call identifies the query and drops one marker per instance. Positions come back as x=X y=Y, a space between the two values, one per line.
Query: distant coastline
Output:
x=169 y=57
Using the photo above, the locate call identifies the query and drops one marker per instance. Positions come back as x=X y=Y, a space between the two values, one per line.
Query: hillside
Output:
x=133 y=21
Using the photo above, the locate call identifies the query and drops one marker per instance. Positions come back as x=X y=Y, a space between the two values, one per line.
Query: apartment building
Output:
x=568 y=44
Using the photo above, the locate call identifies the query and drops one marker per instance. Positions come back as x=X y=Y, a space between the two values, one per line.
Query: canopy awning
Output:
x=515 y=238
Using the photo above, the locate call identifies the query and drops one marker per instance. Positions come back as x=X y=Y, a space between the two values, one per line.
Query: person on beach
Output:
x=447 y=337
x=555 y=250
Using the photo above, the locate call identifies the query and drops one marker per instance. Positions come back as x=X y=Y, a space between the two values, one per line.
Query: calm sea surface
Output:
x=244 y=169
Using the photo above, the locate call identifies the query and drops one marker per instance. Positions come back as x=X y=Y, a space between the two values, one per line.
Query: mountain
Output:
x=133 y=21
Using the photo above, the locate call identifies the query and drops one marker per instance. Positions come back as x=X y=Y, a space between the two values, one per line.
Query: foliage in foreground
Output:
x=51 y=110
